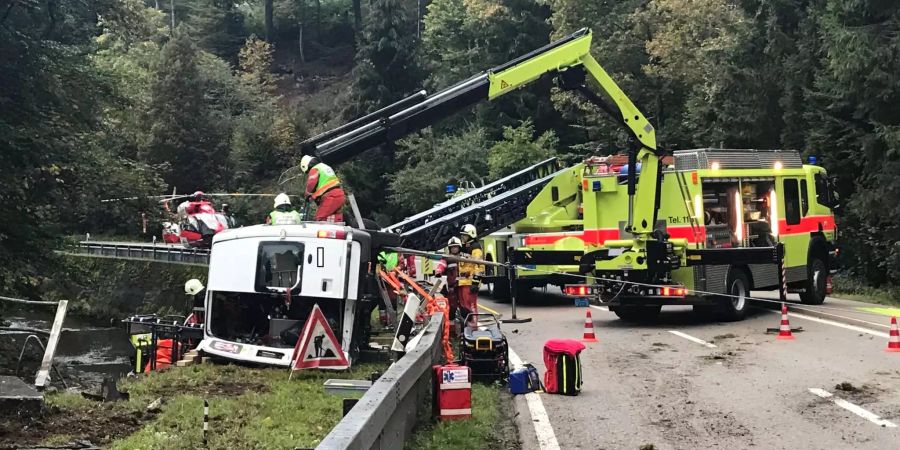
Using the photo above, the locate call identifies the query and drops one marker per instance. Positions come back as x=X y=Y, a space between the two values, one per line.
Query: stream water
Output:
x=87 y=351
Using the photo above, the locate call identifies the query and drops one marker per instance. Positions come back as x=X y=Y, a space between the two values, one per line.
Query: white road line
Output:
x=546 y=438
x=692 y=339
x=600 y=308
x=837 y=324
x=864 y=413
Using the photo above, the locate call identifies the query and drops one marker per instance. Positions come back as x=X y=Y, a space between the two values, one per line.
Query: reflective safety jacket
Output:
x=284 y=217
x=389 y=259
x=320 y=180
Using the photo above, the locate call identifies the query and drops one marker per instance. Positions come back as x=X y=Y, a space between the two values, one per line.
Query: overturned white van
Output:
x=264 y=281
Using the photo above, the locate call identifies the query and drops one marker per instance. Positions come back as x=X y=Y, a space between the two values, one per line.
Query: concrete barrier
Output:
x=385 y=416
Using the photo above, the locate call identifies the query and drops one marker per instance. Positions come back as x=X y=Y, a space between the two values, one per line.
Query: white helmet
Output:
x=454 y=241
x=304 y=162
x=282 y=199
x=193 y=287
x=470 y=230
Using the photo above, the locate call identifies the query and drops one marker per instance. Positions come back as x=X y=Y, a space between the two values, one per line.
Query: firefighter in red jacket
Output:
x=324 y=188
x=449 y=268
x=469 y=279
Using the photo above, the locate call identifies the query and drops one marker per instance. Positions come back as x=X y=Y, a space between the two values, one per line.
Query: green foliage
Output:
x=464 y=37
x=432 y=160
x=519 y=149
x=386 y=67
x=112 y=289
x=184 y=132
x=255 y=61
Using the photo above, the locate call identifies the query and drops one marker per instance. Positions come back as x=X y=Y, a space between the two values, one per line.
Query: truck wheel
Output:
x=734 y=306
x=644 y=313
x=816 y=279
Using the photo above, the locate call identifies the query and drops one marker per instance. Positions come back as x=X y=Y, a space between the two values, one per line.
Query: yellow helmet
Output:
x=304 y=162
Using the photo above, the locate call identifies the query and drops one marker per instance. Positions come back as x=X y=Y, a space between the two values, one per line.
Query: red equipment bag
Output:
x=164 y=352
x=452 y=392
x=563 y=366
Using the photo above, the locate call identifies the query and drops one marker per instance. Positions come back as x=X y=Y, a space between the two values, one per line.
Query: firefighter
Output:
x=450 y=269
x=324 y=188
x=284 y=213
x=194 y=289
x=469 y=279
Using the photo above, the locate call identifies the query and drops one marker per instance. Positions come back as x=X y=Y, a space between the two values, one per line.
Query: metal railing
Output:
x=141 y=252
x=385 y=416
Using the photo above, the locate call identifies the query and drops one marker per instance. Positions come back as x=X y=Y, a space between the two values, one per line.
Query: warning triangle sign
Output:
x=317 y=346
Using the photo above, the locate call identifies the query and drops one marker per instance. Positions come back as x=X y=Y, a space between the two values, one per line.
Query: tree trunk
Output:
x=300 y=44
x=357 y=15
x=270 y=22
x=319 y=21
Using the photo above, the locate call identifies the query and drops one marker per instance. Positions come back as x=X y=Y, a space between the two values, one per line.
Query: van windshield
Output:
x=279 y=266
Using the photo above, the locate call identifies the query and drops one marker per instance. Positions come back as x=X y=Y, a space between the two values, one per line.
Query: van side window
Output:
x=823 y=191
x=791 y=201
x=804 y=197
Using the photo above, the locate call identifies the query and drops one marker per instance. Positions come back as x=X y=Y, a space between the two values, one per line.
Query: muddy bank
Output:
x=87 y=352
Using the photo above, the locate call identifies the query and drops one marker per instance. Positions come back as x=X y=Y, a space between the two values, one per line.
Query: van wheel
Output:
x=644 y=313
x=734 y=306
x=816 y=279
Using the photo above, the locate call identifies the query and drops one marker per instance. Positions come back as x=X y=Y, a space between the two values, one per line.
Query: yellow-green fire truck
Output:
x=723 y=211
x=637 y=260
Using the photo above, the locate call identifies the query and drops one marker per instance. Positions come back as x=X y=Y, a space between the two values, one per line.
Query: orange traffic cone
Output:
x=784 y=333
x=894 y=340
x=589 y=328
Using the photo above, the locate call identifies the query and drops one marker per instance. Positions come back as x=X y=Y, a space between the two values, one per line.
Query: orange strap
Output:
x=386 y=276
x=325 y=187
x=414 y=285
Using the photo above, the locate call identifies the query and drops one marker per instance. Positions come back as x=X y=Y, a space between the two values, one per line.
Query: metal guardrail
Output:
x=141 y=252
x=385 y=415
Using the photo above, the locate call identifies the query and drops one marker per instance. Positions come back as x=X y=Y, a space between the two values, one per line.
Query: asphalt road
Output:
x=646 y=385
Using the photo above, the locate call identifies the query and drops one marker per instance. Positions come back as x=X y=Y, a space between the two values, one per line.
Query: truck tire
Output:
x=816 y=279
x=643 y=313
x=733 y=307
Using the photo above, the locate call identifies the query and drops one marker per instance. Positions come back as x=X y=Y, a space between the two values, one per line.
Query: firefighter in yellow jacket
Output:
x=469 y=279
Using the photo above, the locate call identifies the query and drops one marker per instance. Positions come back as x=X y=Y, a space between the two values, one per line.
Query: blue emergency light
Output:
x=450 y=188
x=812 y=159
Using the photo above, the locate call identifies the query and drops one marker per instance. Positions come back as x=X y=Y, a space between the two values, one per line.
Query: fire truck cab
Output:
x=722 y=211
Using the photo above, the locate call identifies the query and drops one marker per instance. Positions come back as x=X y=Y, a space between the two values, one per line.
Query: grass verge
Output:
x=489 y=427
x=852 y=289
x=250 y=408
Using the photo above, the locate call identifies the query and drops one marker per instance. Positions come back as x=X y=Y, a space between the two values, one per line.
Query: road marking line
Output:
x=489 y=310
x=859 y=411
x=837 y=324
x=693 y=339
x=546 y=438
x=601 y=308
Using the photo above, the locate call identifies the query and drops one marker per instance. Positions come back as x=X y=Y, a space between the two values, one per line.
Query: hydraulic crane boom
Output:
x=570 y=62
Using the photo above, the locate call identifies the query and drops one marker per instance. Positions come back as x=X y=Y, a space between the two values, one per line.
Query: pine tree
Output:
x=387 y=69
x=182 y=134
